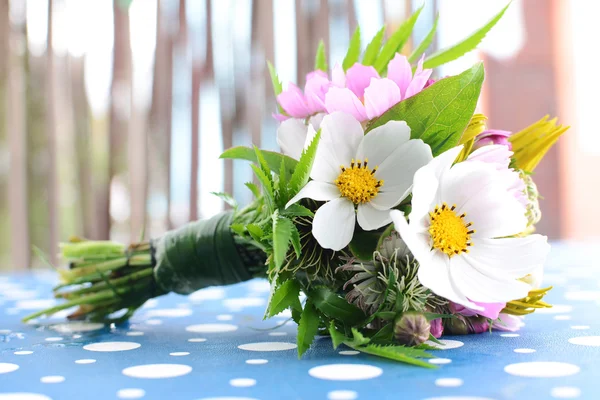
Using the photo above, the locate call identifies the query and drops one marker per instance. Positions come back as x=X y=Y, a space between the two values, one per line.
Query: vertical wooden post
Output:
x=312 y=25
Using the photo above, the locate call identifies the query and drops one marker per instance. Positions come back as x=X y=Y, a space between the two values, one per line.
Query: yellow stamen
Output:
x=358 y=183
x=449 y=231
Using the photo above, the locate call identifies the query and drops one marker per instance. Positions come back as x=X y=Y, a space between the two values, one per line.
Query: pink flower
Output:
x=507 y=322
x=298 y=104
x=437 y=328
x=478 y=324
x=490 y=310
x=493 y=136
x=366 y=95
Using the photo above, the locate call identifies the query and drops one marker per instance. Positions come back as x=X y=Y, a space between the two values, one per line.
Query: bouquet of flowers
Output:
x=391 y=206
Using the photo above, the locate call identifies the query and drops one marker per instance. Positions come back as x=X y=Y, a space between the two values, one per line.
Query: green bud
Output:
x=411 y=329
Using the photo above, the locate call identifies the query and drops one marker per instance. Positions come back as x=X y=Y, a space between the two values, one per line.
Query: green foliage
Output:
x=277 y=86
x=363 y=244
x=424 y=45
x=272 y=158
x=373 y=47
x=282 y=186
x=307 y=328
x=253 y=188
x=285 y=296
x=267 y=184
x=255 y=232
x=337 y=337
x=353 y=52
x=296 y=241
x=321 y=58
x=439 y=114
x=301 y=174
x=395 y=42
x=282 y=235
x=334 y=306
x=384 y=334
x=398 y=353
x=226 y=197
x=358 y=339
x=450 y=54
x=297 y=210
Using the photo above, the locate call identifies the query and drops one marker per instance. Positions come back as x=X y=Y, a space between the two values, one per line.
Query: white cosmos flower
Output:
x=293 y=135
x=459 y=225
x=360 y=176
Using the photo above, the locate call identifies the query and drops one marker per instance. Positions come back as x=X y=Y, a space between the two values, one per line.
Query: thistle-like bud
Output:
x=412 y=329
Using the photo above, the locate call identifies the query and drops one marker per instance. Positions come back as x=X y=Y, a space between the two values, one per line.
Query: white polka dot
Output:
x=35 y=304
x=243 y=302
x=54 y=339
x=150 y=303
x=135 y=333
x=349 y=352
x=52 y=379
x=224 y=317
x=131 y=393
x=580 y=327
x=23 y=352
x=565 y=392
x=458 y=398
x=446 y=344
x=256 y=361
x=153 y=322
x=169 y=313
x=76 y=336
x=23 y=396
x=556 y=309
x=211 y=328
x=342 y=395
x=7 y=367
x=77 y=327
x=85 y=361
x=261 y=285
x=541 y=369
x=157 y=371
x=524 y=351
x=448 y=382
x=207 y=294
x=4 y=331
x=345 y=372
x=562 y=317
x=197 y=340
x=267 y=346
x=226 y=398
x=583 y=295
x=510 y=335
x=242 y=382
x=285 y=314
x=593 y=341
x=179 y=353
x=440 y=361
x=111 y=346
x=277 y=333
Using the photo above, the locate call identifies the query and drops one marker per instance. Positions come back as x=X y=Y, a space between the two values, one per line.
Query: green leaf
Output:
x=321 y=58
x=301 y=174
x=284 y=296
x=395 y=42
x=282 y=234
x=424 y=45
x=337 y=337
x=386 y=315
x=358 y=339
x=272 y=158
x=226 y=197
x=353 y=52
x=435 y=340
x=255 y=231
x=396 y=353
x=439 y=114
x=277 y=86
x=431 y=316
x=452 y=53
x=253 y=188
x=296 y=241
x=363 y=244
x=384 y=334
x=297 y=210
x=335 y=306
x=238 y=228
x=267 y=184
x=307 y=328
x=260 y=159
x=373 y=47
x=282 y=186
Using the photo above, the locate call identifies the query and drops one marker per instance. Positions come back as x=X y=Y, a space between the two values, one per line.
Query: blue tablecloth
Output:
x=214 y=344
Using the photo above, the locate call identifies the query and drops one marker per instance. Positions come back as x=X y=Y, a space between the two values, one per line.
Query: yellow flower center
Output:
x=449 y=231
x=358 y=182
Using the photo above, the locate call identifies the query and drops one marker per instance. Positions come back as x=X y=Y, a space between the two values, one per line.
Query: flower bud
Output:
x=478 y=324
x=411 y=329
x=493 y=136
x=456 y=326
x=437 y=328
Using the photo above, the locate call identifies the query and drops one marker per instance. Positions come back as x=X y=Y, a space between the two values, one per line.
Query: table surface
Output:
x=214 y=344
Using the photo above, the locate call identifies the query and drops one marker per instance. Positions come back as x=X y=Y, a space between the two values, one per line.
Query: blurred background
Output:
x=113 y=112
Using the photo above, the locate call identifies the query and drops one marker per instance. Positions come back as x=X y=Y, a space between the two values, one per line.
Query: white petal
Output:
x=320 y=191
x=291 y=136
x=418 y=244
x=333 y=224
x=380 y=143
x=442 y=163
x=370 y=218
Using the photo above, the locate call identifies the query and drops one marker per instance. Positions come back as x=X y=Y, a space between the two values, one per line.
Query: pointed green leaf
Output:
x=321 y=58
x=337 y=337
x=364 y=243
x=226 y=197
x=253 y=188
x=255 y=231
x=264 y=165
x=384 y=334
x=272 y=158
x=358 y=339
x=240 y=229
x=452 y=53
x=277 y=86
x=307 y=328
x=285 y=296
x=282 y=186
x=301 y=174
x=267 y=184
x=282 y=235
x=334 y=306
x=396 y=42
x=297 y=210
x=373 y=47
x=396 y=353
x=296 y=241
x=386 y=315
x=439 y=114
x=353 y=52
x=424 y=45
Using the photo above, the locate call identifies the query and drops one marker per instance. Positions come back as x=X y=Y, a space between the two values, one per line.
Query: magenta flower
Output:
x=437 y=328
x=493 y=136
x=298 y=104
x=490 y=310
x=365 y=95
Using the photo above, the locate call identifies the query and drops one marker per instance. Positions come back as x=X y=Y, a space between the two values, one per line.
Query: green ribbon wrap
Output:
x=198 y=255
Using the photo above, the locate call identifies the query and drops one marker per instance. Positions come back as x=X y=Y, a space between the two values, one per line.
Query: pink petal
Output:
x=490 y=310
x=380 y=96
x=399 y=71
x=293 y=102
x=280 y=117
x=358 y=78
x=315 y=89
x=418 y=83
x=338 y=99
x=338 y=76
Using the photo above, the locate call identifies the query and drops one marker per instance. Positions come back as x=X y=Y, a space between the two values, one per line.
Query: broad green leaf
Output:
x=238 y=228
x=424 y=45
x=373 y=47
x=363 y=244
x=396 y=42
x=267 y=184
x=353 y=52
x=337 y=337
x=386 y=315
x=282 y=235
x=321 y=58
x=334 y=306
x=284 y=296
x=439 y=114
x=226 y=197
x=282 y=186
x=384 y=334
x=396 y=353
x=253 y=188
x=301 y=174
x=272 y=158
x=297 y=210
x=296 y=241
x=307 y=328
x=452 y=53
x=255 y=231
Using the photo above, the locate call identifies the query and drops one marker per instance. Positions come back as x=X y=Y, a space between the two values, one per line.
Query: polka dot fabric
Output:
x=214 y=344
